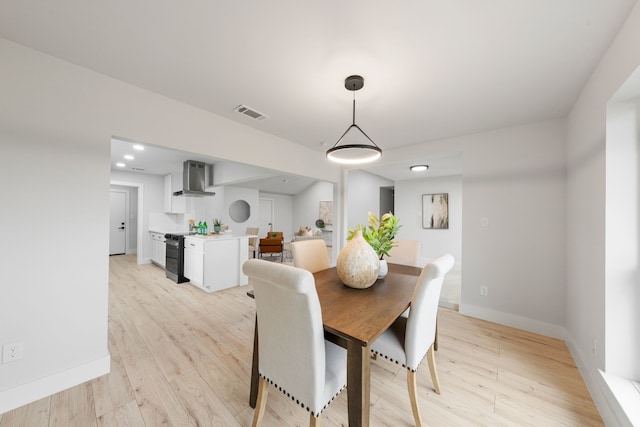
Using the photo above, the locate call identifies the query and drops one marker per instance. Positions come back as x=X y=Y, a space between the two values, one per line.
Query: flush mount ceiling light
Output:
x=419 y=168
x=354 y=153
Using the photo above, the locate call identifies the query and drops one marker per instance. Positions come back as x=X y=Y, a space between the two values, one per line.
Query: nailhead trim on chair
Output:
x=298 y=401
x=398 y=363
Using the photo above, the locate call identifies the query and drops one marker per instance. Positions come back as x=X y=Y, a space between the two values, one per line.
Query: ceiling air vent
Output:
x=250 y=112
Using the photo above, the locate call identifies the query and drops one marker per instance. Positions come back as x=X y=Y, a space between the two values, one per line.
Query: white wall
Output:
x=362 y=196
x=408 y=208
x=57 y=121
x=306 y=204
x=514 y=177
x=250 y=195
x=586 y=218
x=282 y=214
x=53 y=297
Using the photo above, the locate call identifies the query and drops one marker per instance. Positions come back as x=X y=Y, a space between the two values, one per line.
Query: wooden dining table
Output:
x=353 y=319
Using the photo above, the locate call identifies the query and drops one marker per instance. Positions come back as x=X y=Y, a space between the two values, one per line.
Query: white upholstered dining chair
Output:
x=310 y=255
x=405 y=252
x=293 y=355
x=253 y=241
x=410 y=338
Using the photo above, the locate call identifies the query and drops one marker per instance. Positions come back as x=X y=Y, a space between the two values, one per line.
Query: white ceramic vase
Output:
x=384 y=268
x=358 y=264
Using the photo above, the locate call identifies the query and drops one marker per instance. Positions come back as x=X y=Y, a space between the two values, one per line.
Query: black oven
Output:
x=174 y=261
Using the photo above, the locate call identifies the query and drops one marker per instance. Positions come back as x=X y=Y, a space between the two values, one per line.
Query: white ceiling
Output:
x=432 y=69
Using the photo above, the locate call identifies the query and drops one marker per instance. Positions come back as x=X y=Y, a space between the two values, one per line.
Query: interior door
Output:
x=266 y=217
x=117 y=234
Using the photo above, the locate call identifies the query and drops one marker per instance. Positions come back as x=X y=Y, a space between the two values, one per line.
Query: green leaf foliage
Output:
x=379 y=232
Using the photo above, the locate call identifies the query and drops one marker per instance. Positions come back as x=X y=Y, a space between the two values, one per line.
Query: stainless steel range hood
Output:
x=194 y=180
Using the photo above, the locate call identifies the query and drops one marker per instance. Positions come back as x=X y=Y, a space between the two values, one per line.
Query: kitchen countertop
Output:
x=166 y=231
x=212 y=236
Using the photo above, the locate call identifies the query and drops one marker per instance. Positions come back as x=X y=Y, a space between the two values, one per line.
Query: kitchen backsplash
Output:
x=169 y=222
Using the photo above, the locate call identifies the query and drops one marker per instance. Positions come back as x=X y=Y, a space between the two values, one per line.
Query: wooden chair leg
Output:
x=314 y=421
x=261 y=404
x=435 y=342
x=413 y=397
x=431 y=358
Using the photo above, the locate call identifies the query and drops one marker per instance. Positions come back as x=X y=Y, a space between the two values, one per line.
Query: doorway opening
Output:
x=133 y=221
x=118 y=222
x=387 y=204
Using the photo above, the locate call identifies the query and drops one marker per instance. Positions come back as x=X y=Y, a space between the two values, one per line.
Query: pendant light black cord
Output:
x=356 y=84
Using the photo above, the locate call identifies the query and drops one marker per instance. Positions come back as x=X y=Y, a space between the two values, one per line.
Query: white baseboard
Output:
x=611 y=411
x=448 y=304
x=26 y=393
x=515 y=321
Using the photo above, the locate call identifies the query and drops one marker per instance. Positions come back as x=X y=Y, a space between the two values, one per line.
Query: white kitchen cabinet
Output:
x=173 y=204
x=194 y=261
x=158 y=248
x=213 y=263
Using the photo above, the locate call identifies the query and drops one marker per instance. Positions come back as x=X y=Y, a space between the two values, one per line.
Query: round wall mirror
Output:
x=240 y=211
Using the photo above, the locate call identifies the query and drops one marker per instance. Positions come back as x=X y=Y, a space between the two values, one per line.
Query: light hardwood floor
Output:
x=181 y=357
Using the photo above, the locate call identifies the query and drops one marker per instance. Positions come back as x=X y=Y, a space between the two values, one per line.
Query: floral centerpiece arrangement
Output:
x=379 y=233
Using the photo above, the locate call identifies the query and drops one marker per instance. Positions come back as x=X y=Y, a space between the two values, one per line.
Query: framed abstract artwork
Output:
x=435 y=211
x=326 y=211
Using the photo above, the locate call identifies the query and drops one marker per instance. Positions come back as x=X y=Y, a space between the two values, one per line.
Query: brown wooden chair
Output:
x=273 y=243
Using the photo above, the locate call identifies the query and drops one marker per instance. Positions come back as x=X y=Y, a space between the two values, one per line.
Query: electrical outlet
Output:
x=484 y=291
x=484 y=222
x=12 y=352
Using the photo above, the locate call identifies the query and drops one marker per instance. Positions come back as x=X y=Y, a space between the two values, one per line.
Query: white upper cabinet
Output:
x=173 y=204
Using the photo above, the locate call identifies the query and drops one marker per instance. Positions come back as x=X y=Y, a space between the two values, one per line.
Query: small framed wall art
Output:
x=326 y=211
x=435 y=211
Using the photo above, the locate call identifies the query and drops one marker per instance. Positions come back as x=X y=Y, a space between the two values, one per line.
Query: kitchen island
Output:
x=214 y=262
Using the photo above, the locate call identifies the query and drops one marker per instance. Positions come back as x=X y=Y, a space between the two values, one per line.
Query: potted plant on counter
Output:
x=217 y=224
x=379 y=234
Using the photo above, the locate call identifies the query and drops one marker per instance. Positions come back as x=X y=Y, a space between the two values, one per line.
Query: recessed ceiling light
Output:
x=120 y=165
x=419 y=168
x=138 y=147
x=285 y=181
x=128 y=156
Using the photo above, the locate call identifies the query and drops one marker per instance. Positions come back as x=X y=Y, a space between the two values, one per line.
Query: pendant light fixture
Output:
x=354 y=153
